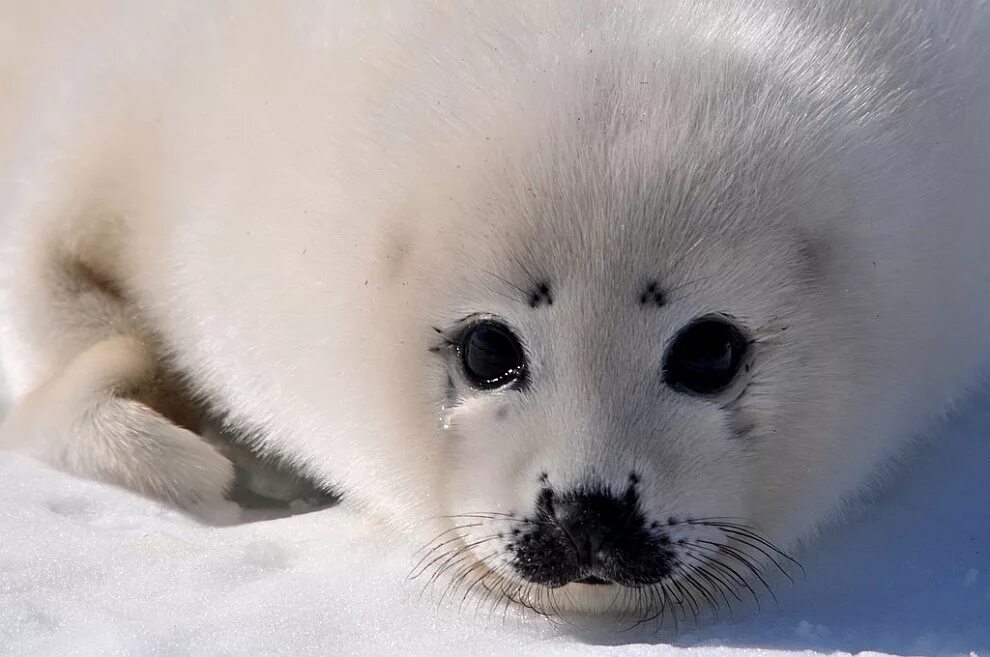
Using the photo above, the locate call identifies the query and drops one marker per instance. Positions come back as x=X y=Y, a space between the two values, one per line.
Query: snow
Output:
x=87 y=569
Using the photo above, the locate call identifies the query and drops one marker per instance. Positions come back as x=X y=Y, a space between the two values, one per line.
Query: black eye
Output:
x=491 y=355
x=705 y=356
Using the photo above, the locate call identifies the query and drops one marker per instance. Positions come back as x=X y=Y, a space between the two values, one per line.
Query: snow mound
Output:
x=87 y=569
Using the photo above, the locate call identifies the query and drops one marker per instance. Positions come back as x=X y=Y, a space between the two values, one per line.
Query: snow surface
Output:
x=87 y=569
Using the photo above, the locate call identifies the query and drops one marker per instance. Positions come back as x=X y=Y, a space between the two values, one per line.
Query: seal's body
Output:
x=587 y=278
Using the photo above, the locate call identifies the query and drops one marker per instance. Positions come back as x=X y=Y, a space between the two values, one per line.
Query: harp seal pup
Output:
x=584 y=279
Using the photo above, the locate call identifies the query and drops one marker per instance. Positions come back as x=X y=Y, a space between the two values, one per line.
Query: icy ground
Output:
x=91 y=570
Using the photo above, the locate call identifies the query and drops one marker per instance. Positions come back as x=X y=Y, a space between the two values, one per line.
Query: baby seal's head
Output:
x=639 y=362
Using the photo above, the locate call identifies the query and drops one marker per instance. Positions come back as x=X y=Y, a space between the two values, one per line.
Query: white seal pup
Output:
x=582 y=280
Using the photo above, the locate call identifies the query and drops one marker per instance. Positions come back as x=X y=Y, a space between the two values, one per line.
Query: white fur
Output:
x=281 y=200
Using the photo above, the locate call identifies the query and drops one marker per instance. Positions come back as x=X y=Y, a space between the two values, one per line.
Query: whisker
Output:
x=705 y=574
x=708 y=519
x=417 y=571
x=442 y=534
x=741 y=539
x=702 y=590
x=728 y=570
x=723 y=585
x=457 y=557
x=673 y=612
x=481 y=601
x=674 y=299
x=483 y=515
x=751 y=534
x=657 y=602
x=707 y=570
x=455 y=560
x=485 y=575
x=465 y=570
x=456 y=551
x=688 y=597
x=747 y=562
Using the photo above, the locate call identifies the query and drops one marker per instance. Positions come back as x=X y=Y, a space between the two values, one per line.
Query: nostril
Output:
x=582 y=527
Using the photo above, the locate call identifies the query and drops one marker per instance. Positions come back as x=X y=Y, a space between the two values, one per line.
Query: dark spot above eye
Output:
x=541 y=296
x=652 y=295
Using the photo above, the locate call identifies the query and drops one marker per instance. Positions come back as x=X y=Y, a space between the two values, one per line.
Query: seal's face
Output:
x=597 y=474
x=593 y=451
x=618 y=391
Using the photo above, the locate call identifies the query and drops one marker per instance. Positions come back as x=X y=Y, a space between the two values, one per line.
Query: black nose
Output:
x=590 y=536
x=591 y=522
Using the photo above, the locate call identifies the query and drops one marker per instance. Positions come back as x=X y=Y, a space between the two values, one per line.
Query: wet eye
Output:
x=705 y=356
x=491 y=355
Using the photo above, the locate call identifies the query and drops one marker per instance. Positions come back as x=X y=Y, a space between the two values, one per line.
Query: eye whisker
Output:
x=517 y=288
x=700 y=279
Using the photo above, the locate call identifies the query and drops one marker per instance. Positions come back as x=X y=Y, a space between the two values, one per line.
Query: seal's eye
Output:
x=491 y=355
x=705 y=356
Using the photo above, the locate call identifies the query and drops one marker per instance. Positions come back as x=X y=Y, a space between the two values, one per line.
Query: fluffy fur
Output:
x=277 y=206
